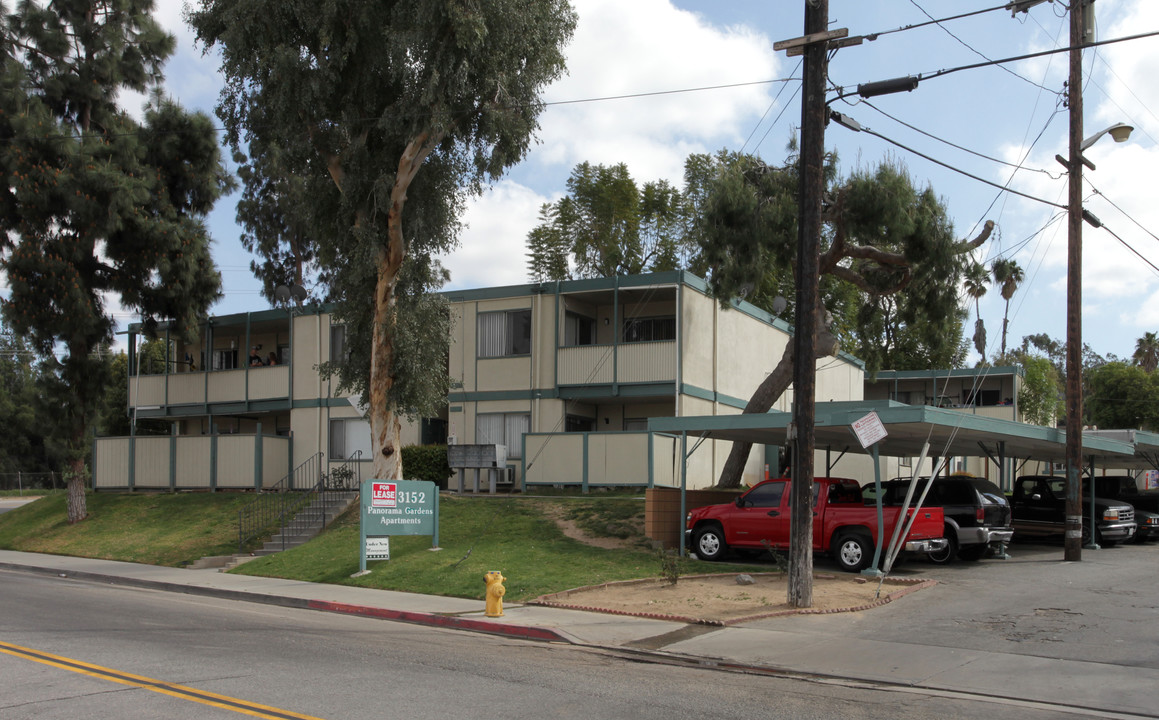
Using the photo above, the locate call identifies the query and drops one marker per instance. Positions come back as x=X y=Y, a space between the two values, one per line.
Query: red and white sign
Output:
x=383 y=494
x=869 y=429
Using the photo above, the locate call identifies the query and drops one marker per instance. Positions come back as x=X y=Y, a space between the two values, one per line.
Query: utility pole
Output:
x=1072 y=542
x=812 y=186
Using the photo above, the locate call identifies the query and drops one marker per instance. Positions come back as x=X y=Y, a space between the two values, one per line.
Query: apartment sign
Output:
x=396 y=507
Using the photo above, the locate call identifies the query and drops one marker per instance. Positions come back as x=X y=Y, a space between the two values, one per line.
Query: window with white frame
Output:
x=504 y=333
x=348 y=436
x=224 y=359
x=503 y=429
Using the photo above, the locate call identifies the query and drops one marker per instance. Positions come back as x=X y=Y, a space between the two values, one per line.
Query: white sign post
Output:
x=870 y=431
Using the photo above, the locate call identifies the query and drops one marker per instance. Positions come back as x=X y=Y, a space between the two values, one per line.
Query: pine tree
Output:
x=98 y=206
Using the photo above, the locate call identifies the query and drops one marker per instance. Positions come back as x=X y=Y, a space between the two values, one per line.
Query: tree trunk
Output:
x=761 y=401
x=385 y=427
x=77 y=508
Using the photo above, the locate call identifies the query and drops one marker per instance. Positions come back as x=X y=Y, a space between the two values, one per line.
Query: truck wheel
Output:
x=853 y=551
x=1086 y=536
x=709 y=543
x=948 y=554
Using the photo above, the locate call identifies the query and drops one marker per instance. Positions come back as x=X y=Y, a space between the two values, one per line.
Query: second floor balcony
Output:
x=208 y=388
x=637 y=362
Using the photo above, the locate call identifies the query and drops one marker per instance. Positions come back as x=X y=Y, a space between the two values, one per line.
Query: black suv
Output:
x=977 y=514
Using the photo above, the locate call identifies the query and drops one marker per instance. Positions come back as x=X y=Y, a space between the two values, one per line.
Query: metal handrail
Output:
x=273 y=505
x=305 y=509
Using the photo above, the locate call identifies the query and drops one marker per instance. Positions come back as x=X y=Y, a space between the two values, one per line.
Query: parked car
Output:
x=842 y=524
x=1039 y=507
x=1146 y=503
x=977 y=515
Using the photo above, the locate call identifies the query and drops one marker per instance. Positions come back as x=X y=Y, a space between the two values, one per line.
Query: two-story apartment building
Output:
x=564 y=374
x=987 y=391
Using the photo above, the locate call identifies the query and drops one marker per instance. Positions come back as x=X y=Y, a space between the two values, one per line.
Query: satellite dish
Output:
x=744 y=290
x=298 y=292
x=281 y=293
x=779 y=305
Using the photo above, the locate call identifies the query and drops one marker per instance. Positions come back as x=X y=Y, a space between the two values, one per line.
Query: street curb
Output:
x=527 y=632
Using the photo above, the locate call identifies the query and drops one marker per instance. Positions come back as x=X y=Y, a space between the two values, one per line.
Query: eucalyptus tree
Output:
x=881 y=236
x=381 y=106
x=100 y=208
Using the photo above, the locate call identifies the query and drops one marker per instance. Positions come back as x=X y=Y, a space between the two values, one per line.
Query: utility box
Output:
x=492 y=458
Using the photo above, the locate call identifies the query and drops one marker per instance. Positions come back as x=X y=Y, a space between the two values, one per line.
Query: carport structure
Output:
x=1145 y=443
x=949 y=433
x=909 y=427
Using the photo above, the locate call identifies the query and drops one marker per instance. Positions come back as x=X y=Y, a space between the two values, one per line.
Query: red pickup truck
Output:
x=842 y=524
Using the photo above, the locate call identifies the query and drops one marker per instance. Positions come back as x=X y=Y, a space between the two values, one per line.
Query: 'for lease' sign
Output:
x=383 y=494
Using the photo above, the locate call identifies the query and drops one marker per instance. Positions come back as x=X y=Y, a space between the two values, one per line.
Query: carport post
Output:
x=874 y=570
x=683 y=488
x=1092 y=545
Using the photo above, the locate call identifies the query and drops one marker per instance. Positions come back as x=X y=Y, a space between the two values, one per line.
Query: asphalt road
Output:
x=156 y=654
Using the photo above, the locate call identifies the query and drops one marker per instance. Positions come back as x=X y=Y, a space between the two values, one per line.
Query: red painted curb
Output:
x=526 y=632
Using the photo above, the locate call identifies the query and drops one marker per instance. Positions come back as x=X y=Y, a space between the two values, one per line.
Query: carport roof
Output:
x=949 y=432
x=1146 y=446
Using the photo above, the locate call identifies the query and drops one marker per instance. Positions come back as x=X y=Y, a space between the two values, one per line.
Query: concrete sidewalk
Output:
x=946 y=639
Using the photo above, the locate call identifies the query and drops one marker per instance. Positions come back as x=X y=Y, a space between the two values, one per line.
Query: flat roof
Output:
x=908 y=427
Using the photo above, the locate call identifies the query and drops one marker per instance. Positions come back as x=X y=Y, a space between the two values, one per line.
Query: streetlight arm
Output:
x=1119 y=133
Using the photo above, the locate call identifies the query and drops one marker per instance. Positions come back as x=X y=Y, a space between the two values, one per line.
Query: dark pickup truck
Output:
x=1145 y=502
x=1039 y=507
x=977 y=514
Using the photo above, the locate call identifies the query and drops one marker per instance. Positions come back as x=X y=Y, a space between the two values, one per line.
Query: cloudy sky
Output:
x=1001 y=124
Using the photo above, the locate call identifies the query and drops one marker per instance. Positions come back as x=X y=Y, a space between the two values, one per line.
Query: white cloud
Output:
x=651 y=46
x=493 y=250
x=621 y=49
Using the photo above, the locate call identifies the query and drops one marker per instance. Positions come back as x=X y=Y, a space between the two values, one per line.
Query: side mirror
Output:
x=740 y=501
x=1036 y=496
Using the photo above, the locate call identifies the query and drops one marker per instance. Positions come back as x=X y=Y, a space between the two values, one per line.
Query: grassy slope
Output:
x=512 y=535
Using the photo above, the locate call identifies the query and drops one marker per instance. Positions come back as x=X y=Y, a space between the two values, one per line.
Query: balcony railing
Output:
x=218 y=386
x=637 y=362
x=601 y=459
x=179 y=462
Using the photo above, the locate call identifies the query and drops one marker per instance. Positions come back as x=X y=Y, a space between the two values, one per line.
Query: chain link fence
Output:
x=21 y=481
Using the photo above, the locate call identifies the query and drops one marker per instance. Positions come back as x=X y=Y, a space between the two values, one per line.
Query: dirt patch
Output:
x=720 y=600
x=571 y=529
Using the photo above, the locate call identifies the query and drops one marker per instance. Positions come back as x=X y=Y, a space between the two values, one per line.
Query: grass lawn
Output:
x=513 y=535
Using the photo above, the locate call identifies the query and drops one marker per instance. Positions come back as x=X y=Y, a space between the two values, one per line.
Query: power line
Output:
x=895 y=143
x=971 y=48
x=1124 y=212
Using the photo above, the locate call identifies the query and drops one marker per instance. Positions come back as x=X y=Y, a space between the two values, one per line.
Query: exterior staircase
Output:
x=309 y=521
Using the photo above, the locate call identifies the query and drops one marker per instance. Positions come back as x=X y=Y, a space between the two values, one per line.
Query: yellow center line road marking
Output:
x=172 y=689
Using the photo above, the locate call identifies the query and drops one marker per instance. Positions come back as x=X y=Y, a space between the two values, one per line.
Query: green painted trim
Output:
x=132 y=458
x=480 y=396
x=455 y=408
x=588 y=392
x=617 y=327
x=172 y=462
x=555 y=350
x=258 y=457
x=703 y=394
x=212 y=454
x=584 y=482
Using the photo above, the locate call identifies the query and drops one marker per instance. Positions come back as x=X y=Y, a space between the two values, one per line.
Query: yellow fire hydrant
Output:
x=495 y=593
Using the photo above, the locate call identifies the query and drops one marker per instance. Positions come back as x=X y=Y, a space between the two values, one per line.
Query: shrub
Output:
x=426 y=462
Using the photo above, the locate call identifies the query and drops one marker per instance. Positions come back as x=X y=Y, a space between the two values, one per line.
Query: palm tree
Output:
x=1008 y=274
x=975 y=281
x=1147 y=352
